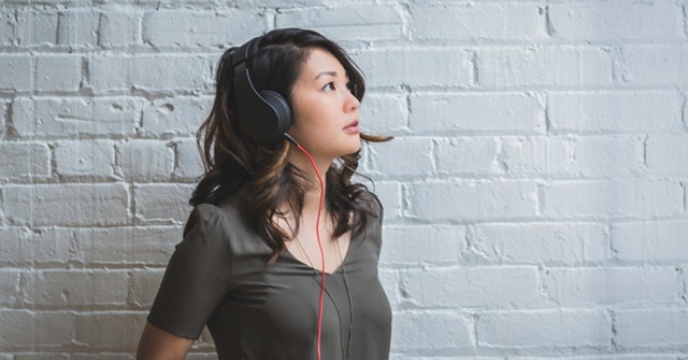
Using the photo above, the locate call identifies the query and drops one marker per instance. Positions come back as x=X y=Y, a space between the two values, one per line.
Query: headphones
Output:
x=264 y=116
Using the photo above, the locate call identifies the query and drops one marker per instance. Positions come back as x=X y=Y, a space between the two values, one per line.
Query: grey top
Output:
x=219 y=276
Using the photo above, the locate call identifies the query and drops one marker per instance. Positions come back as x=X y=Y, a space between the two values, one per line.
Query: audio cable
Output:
x=317 y=234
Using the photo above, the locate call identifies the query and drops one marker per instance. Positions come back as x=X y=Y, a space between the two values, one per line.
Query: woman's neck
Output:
x=312 y=190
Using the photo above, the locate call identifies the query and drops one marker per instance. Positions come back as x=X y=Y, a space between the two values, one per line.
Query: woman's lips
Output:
x=353 y=127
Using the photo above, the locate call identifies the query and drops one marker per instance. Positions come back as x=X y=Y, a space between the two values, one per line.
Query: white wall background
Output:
x=535 y=193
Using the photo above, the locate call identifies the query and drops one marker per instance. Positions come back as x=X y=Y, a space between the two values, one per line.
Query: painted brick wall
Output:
x=535 y=193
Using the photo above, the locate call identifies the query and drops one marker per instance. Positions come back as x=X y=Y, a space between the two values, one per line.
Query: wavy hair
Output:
x=260 y=173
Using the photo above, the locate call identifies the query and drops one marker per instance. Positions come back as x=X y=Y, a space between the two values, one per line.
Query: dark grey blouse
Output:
x=219 y=276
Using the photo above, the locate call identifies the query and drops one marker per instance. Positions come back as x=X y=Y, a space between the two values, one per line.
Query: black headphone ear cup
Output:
x=281 y=109
x=264 y=116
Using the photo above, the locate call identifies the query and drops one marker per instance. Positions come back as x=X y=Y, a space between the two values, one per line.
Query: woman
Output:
x=278 y=263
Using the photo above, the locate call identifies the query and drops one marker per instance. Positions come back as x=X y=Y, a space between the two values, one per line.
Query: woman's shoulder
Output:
x=372 y=204
x=236 y=226
x=217 y=217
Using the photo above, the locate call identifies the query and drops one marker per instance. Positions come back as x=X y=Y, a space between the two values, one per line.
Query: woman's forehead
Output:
x=322 y=63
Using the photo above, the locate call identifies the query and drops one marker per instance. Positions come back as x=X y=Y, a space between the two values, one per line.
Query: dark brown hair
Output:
x=260 y=173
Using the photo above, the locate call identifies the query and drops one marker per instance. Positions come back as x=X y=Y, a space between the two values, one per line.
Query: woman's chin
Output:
x=354 y=148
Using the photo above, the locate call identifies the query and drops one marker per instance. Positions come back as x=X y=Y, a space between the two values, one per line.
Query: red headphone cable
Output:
x=317 y=234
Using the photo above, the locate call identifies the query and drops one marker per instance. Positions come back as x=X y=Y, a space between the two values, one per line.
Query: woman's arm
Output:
x=156 y=344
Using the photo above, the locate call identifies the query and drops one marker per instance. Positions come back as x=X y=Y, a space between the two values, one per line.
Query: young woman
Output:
x=279 y=261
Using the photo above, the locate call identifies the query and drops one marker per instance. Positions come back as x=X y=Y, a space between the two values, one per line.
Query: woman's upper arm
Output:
x=195 y=282
x=157 y=344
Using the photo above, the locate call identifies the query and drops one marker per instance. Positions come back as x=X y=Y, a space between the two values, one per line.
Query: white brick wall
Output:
x=535 y=195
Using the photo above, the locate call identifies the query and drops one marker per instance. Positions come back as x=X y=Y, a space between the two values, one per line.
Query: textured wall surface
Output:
x=535 y=193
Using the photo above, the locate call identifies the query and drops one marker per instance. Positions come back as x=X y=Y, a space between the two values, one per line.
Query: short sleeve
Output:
x=374 y=228
x=379 y=209
x=197 y=276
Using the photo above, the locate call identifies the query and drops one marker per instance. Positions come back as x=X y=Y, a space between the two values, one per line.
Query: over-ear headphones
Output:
x=264 y=116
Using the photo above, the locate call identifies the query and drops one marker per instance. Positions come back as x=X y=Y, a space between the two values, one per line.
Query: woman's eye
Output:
x=329 y=86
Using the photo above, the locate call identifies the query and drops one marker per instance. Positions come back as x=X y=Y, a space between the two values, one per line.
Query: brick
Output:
x=288 y=3
x=144 y=286
x=415 y=67
x=612 y=199
x=478 y=22
x=651 y=327
x=67 y=204
x=422 y=244
x=538 y=243
x=562 y=328
x=360 y=23
x=484 y=287
x=550 y=66
x=9 y=287
x=524 y=156
x=596 y=156
x=384 y=114
x=188 y=164
x=467 y=156
x=85 y=158
x=76 y=116
x=571 y=356
x=209 y=28
x=666 y=154
x=120 y=28
x=102 y=356
x=36 y=28
x=589 y=287
x=390 y=195
x=201 y=356
x=364 y=158
x=431 y=330
x=439 y=201
x=175 y=116
x=32 y=329
x=117 y=331
x=23 y=160
x=78 y=28
x=651 y=242
x=58 y=73
x=617 y=22
x=22 y=246
x=477 y=113
x=614 y=112
x=41 y=356
x=16 y=75
x=685 y=112
x=145 y=159
x=75 y=287
x=652 y=65
x=7 y=27
x=149 y=245
x=3 y=116
x=163 y=73
x=416 y=152
x=110 y=73
x=163 y=202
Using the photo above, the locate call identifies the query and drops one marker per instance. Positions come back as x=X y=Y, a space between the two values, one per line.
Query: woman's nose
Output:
x=352 y=102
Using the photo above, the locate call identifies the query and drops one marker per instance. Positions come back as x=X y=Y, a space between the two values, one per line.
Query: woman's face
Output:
x=326 y=121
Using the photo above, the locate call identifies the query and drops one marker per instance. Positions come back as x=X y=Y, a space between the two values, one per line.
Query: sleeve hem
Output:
x=183 y=334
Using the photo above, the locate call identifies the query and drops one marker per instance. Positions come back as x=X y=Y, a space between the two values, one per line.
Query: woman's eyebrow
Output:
x=330 y=73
